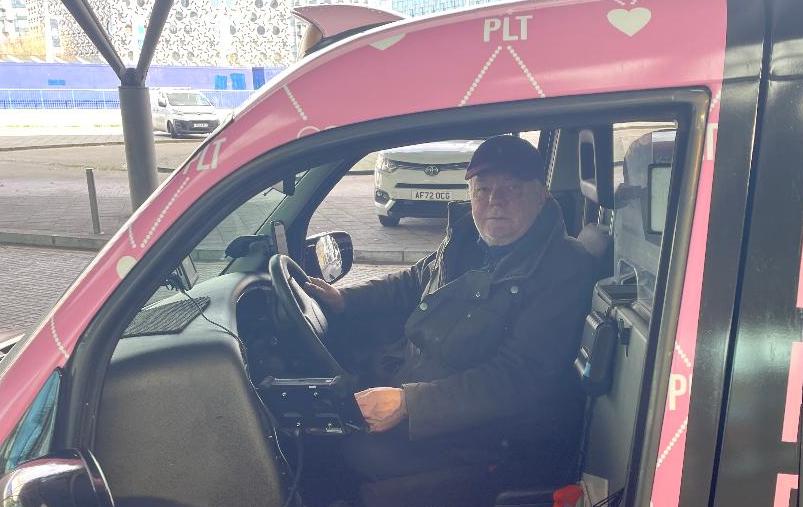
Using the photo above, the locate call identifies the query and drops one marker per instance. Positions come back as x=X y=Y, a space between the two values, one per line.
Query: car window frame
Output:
x=87 y=367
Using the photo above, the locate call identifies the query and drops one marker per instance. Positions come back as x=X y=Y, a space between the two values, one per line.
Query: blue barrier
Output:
x=97 y=99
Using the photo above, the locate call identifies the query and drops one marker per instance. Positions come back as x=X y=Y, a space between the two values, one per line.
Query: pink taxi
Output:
x=165 y=376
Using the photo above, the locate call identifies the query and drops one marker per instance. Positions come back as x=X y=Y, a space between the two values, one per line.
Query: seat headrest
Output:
x=595 y=160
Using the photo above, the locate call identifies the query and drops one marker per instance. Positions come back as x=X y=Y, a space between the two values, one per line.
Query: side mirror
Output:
x=329 y=256
x=162 y=102
x=61 y=479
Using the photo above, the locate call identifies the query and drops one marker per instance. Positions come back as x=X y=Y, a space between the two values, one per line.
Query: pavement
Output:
x=36 y=142
x=33 y=279
x=44 y=202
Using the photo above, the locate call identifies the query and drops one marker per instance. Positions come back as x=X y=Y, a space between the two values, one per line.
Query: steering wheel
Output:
x=303 y=316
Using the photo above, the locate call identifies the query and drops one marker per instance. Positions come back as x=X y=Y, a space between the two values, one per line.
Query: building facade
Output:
x=414 y=8
x=13 y=19
x=197 y=32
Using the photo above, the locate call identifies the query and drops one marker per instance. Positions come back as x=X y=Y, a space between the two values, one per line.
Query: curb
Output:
x=49 y=240
x=79 y=145
x=90 y=242
x=356 y=172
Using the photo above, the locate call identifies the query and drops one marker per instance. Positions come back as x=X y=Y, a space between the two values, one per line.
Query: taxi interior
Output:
x=229 y=392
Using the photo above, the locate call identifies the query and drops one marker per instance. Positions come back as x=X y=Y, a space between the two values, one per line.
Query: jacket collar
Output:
x=529 y=250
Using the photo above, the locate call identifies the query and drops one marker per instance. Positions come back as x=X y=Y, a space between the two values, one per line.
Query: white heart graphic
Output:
x=311 y=129
x=630 y=22
x=124 y=265
x=386 y=43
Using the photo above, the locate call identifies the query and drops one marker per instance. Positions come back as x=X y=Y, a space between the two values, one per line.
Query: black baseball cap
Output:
x=510 y=154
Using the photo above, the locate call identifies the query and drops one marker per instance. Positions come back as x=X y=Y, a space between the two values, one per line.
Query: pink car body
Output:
x=494 y=54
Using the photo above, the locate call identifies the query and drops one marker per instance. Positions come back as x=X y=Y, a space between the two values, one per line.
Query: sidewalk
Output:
x=50 y=208
x=41 y=275
x=36 y=142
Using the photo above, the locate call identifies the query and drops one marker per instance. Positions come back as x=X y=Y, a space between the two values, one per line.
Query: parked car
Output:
x=419 y=180
x=193 y=399
x=183 y=111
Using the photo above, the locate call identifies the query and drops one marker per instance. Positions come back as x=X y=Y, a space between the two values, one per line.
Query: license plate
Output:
x=428 y=195
x=200 y=125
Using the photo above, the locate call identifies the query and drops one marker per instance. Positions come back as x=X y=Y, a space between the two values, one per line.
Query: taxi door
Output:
x=759 y=443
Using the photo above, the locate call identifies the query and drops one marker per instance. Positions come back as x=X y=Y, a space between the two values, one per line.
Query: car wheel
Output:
x=171 y=130
x=388 y=221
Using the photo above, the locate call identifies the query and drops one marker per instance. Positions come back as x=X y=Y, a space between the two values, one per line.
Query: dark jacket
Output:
x=488 y=349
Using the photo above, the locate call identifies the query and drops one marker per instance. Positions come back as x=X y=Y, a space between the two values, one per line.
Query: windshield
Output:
x=187 y=99
x=208 y=257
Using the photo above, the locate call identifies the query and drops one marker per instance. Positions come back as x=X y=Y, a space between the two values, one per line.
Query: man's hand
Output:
x=382 y=407
x=326 y=294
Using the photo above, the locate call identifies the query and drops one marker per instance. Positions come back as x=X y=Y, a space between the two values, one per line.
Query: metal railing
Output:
x=49 y=98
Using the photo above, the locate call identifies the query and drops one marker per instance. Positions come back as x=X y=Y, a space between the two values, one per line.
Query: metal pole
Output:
x=161 y=10
x=93 y=200
x=88 y=21
x=135 y=104
x=140 y=151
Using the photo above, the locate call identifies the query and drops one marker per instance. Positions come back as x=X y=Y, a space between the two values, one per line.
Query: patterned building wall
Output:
x=415 y=8
x=203 y=32
x=198 y=32
x=260 y=31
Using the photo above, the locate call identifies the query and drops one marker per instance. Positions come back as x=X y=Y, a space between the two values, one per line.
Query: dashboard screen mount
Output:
x=280 y=238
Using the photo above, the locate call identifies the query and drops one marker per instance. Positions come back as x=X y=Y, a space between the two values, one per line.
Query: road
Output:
x=169 y=154
x=33 y=279
x=45 y=189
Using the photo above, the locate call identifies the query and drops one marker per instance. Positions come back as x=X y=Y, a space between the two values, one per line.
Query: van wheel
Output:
x=388 y=221
x=171 y=130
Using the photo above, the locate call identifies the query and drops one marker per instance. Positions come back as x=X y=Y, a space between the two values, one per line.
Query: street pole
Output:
x=140 y=151
x=93 y=200
x=135 y=102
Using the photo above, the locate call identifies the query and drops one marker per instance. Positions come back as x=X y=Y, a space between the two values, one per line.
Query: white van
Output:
x=180 y=111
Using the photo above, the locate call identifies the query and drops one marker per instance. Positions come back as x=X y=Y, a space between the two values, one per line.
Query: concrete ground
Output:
x=33 y=279
x=43 y=192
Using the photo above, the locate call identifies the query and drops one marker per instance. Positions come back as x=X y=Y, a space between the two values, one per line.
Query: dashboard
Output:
x=239 y=310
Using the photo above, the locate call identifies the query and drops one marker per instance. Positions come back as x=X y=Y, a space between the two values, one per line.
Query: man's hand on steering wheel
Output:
x=326 y=294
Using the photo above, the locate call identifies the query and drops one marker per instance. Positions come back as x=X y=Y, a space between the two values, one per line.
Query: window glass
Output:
x=247 y=219
x=396 y=199
x=643 y=157
x=187 y=99
x=398 y=196
x=32 y=436
x=208 y=258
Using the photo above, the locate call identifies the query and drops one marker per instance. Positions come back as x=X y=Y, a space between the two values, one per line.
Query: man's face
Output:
x=504 y=206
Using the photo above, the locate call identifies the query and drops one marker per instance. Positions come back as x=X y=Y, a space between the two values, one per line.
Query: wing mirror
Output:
x=62 y=479
x=329 y=255
x=162 y=102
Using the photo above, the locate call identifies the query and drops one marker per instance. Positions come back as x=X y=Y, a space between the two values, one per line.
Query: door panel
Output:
x=759 y=457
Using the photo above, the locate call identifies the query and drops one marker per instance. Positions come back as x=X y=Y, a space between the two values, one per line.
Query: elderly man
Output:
x=493 y=321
